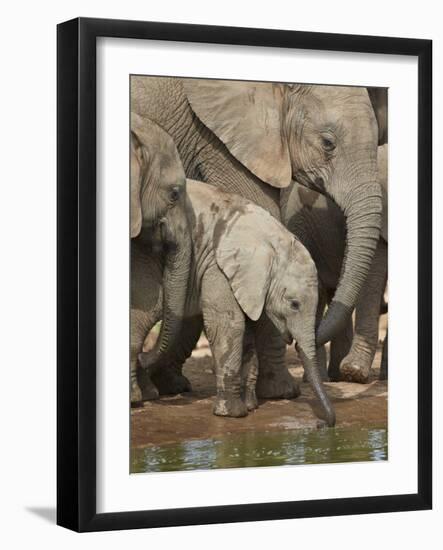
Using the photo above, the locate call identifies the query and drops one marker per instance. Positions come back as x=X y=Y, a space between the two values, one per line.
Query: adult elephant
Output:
x=320 y=226
x=253 y=138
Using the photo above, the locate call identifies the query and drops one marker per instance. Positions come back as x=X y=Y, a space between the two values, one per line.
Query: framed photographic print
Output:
x=225 y=280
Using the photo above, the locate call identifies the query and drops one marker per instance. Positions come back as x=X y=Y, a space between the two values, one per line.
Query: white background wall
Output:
x=27 y=275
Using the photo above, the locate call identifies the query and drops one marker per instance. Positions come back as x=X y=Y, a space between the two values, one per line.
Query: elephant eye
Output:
x=328 y=144
x=295 y=305
x=174 y=194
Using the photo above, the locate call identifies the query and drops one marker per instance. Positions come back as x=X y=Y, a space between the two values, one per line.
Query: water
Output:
x=252 y=449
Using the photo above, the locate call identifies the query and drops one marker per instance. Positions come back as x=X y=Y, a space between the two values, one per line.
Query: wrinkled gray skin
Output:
x=156 y=170
x=253 y=138
x=205 y=157
x=321 y=227
x=246 y=267
x=160 y=248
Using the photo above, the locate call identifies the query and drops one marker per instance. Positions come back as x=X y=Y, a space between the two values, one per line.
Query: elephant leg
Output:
x=339 y=349
x=142 y=388
x=147 y=296
x=274 y=380
x=384 y=360
x=169 y=378
x=356 y=366
x=224 y=324
x=249 y=369
x=146 y=309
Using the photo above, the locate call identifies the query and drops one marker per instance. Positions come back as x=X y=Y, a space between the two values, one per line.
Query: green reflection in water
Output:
x=251 y=449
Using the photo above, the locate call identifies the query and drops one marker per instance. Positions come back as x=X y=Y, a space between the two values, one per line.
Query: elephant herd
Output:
x=259 y=215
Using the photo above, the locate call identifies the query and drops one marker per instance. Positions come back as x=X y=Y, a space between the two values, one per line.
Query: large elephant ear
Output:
x=245 y=255
x=139 y=157
x=147 y=132
x=247 y=118
x=379 y=101
x=136 y=171
x=143 y=133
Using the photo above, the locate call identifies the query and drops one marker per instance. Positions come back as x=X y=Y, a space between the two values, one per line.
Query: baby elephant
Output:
x=245 y=266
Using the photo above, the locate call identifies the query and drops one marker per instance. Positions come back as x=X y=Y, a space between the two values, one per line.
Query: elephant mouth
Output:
x=287 y=337
x=310 y=181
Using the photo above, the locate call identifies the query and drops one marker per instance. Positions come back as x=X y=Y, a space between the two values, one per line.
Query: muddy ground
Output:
x=189 y=415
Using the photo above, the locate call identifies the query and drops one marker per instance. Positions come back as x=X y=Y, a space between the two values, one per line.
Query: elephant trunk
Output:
x=311 y=369
x=362 y=209
x=176 y=239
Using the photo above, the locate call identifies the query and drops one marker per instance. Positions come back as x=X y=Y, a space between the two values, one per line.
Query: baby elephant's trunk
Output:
x=311 y=370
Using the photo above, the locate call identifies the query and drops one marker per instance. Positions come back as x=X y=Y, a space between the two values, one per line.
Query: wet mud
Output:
x=181 y=433
x=173 y=419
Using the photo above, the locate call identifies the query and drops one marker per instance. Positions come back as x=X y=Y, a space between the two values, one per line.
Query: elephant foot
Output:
x=170 y=381
x=232 y=406
x=148 y=391
x=136 y=395
x=251 y=400
x=277 y=386
x=352 y=372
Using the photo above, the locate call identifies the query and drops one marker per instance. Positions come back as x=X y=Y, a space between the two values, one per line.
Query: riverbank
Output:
x=174 y=419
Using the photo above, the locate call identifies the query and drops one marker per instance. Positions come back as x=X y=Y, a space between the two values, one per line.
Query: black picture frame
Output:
x=76 y=273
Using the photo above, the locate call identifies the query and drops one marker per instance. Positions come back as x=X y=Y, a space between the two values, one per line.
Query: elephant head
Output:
x=270 y=271
x=158 y=204
x=325 y=137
